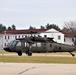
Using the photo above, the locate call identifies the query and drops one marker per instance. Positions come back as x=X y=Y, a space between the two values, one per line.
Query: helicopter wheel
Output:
x=19 y=53
x=72 y=54
x=29 y=53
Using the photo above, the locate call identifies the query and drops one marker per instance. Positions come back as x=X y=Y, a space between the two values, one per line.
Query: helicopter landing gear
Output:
x=72 y=54
x=29 y=52
x=19 y=53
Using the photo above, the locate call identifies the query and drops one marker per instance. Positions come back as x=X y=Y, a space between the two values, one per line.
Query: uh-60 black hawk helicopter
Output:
x=37 y=44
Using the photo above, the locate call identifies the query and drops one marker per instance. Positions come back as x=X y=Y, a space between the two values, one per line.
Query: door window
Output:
x=19 y=44
x=38 y=44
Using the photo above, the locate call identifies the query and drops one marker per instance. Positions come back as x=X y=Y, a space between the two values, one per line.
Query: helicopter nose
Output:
x=7 y=49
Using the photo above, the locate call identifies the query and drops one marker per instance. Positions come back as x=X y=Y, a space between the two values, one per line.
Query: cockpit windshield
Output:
x=13 y=43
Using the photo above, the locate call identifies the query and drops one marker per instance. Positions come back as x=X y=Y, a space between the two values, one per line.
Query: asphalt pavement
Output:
x=37 y=69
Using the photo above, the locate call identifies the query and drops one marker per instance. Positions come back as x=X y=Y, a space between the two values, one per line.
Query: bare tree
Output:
x=71 y=26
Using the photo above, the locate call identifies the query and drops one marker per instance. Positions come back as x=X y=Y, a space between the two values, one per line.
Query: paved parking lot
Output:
x=37 y=69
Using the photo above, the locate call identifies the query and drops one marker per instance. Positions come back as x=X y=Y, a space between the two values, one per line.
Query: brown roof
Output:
x=69 y=35
x=27 y=31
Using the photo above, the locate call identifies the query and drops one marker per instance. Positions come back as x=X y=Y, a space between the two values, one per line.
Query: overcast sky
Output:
x=24 y=13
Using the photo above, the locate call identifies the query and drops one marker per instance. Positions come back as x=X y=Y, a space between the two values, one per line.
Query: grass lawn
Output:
x=38 y=59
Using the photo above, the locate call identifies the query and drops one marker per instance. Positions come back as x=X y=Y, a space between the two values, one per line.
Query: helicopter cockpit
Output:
x=13 y=43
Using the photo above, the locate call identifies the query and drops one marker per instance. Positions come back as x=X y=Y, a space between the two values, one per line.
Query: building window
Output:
x=19 y=36
x=5 y=44
x=73 y=39
x=22 y=36
x=15 y=37
x=8 y=37
x=25 y=35
x=45 y=35
x=39 y=36
x=64 y=40
x=5 y=37
x=59 y=37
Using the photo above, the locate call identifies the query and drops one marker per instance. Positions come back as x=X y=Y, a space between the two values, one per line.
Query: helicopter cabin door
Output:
x=36 y=47
x=18 y=46
x=23 y=45
x=47 y=47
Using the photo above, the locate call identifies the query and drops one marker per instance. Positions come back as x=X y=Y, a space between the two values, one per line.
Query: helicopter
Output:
x=38 y=45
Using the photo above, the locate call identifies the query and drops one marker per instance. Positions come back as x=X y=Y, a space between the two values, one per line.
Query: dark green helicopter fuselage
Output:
x=37 y=44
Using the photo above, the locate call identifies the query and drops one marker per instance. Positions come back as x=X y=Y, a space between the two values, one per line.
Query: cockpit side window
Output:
x=34 y=45
x=25 y=44
x=13 y=43
x=18 y=44
x=10 y=43
x=39 y=44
